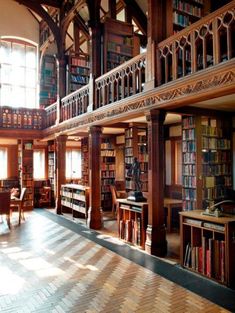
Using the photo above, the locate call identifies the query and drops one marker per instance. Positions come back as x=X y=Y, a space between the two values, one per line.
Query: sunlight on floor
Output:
x=10 y=283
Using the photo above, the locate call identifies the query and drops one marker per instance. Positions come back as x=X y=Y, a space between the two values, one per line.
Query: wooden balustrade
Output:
x=21 y=118
x=51 y=114
x=124 y=81
x=203 y=44
x=75 y=103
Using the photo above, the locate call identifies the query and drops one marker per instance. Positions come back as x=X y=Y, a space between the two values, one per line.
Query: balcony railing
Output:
x=75 y=104
x=124 y=81
x=51 y=114
x=203 y=44
x=21 y=118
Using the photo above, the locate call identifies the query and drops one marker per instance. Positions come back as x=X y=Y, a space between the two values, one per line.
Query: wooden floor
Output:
x=45 y=267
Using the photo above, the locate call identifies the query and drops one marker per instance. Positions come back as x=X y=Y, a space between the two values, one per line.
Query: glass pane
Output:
x=18 y=54
x=31 y=57
x=5 y=52
x=3 y=162
x=30 y=98
x=5 y=95
x=30 y=78
x=18 y=97
x=18 y=76
x=5 y=74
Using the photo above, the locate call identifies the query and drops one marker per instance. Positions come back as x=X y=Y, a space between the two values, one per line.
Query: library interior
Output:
x=117 y=126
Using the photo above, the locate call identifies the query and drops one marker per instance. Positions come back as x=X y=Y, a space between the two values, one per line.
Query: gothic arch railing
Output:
x=51 y=114
x=203 y=44
x=124 y=81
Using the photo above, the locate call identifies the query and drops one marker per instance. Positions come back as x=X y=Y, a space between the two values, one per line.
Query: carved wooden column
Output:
x=156 y=234
x=61 y=77
x=60 y=168
x=157 y=12
x=95 y=213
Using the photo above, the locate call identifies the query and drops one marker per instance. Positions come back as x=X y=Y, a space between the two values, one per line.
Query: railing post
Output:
x=92 y=95
x=58 y=109
x=193 y=53
x=216 y=42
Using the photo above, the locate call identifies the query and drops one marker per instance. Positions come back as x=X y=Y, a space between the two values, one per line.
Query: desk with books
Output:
x=208 y=245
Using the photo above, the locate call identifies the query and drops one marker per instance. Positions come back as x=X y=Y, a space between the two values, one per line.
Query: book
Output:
x=193 y=222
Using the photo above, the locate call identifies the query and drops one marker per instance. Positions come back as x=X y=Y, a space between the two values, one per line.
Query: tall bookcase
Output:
x=48 y=81
x=207 y=161
x=108 y=154
x=25 y=162
x=118 y=43
x=51 y=169
x=136 y=146
x=85 y=161
x=78 y=72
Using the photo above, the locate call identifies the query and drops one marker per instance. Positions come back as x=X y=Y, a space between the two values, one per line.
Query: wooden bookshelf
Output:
x=78 y=72
x=75 y=198
x=136 y=146
x=25 y=162
x=108 y=155
x=207 y=161
x=48 y=82
x=132 y=221
x=118 y=43
x=207 y=246
x=51 y=169
x=85 y=161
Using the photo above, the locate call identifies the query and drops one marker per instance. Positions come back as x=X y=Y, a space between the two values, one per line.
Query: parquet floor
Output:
x=45 y=267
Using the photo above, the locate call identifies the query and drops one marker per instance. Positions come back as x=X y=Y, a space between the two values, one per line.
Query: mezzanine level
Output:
x=194 y=65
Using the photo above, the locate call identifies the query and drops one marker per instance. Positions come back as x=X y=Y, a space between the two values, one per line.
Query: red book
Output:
x=222 y=260
x=208 y=263
x=200 y=268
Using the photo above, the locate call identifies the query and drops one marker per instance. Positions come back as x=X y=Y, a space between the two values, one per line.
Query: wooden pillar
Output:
x=112 y=9
x=157 y=12
x=156 y=234
x=95 y=46
x=61 y=77
x=60 y=168
x=95 y=213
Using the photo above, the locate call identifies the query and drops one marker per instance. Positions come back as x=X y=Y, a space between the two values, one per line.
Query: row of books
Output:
x=188 y=205
x=216 y=156
x=207 y=259
x=130 y=230
x=80 y=70
x=216 y=192
x=107 y=153
x=189 y=194
x=211 y=131
x=107 y=159
x=117 y=58
x=189 y=169
x=107 y=145
x=189 y=146
x=142 y=149
x=108 y=174
x=129 y=133
x=187 y=8
x=188 y=134
x=180 y=19
x=106 y=196
x=188 y=122
x=79 y=62
x=216 y=169
x=189 y=157
x=119 y=48
x=212 y=181
x=215 y=143
x=189 y=181
x=79 y=79
x=107 y=167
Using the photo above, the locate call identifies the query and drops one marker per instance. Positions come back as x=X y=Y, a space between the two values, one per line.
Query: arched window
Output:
x=18 y=73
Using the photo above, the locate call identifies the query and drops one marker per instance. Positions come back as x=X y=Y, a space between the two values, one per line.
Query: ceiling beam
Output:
x=82 y=26
x=138 y=15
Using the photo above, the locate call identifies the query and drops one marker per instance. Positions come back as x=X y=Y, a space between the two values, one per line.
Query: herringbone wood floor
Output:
x=45 y=267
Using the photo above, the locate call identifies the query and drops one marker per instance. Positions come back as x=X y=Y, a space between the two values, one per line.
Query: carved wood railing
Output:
x=51 y=115
x=75 y=103
x=124 y=81
x=21 y=118
x=203 y=44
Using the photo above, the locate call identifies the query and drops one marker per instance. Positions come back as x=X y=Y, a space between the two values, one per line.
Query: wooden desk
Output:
x=170 y=204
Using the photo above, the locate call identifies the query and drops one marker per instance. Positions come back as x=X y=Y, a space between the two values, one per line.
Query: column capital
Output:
x=95 y=130
x=61 y=138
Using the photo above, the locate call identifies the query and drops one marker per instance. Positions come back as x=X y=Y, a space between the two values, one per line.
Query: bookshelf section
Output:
x=48 y=82
x=136 y=146
x=108 y=155
x=78 y=72
x=132 y=221
x=75 y=198
x=51 y=169
x=25 y=161
x=118 y=46
x=207 y=246
x=207 y=161
x=186 y=12
x=85 y=161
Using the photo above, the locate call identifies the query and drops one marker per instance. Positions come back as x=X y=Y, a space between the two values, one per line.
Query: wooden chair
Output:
x=19 y=202
x=5 y=205
x=116 y=195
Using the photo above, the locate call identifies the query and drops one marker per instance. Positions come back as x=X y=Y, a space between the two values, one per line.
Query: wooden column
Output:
x=156 y=234
x=61 y=77
x=60 y=168
x=95 y=46
x=112 y=9
x=95 y=213
x=156 y=33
